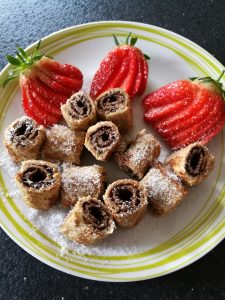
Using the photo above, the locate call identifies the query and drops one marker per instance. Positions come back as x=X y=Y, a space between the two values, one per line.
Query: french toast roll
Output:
x=115 y=105
x=165 y=190
x=79 y=182
x=135 y=158
x=63 y=144
x=192 y=163
x=102 y=139
x=88 y=222
x=79 y=111
x=24 y=139
x=39 y=182
x=126 y=199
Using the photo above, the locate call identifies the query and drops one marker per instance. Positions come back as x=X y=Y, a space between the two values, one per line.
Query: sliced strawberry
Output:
x=57 y=87
x=47 y=92
x=196 y=132
x=138 y=81
x=124 y=67
x=128 y=82
x=119 y=77
x=144 y=78
x=61 y=69
x=177 y=91
x=157 y=114
x=201 y=119
x=194 y=113
x=73 y=84
x=108 y=68
x=38 y=113
x=43 y=102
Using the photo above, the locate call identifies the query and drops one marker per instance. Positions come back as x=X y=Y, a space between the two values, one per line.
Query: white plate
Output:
x=156 y=246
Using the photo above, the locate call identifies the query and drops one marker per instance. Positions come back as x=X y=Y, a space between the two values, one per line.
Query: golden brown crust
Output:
x=136 y=157
x=39 y=182
x=88 y=222
x=192 y=163
x=24 y=139
x=63 y=144
x=102 y=139
x=126 y=199
x=115 y=105
x=79 y=182
x=164 y=189
x=79 y=111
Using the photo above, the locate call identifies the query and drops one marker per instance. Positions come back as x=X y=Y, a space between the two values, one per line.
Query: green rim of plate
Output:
x=188 y=244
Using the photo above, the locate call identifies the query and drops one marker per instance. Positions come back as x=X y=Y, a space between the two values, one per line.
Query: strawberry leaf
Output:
x=133 y=41
x=116 y=40
x=22 y=52
x=8 y=79
x=127 y=39
x=146 y=56
x=13 y=60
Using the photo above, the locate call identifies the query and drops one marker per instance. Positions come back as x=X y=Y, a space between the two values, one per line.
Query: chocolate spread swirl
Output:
x=38 y=176
x=103 y=137
x=196 y=161
x=80 y=106
x=95 y=214
x=23 y=132
x=124 y=197
x=111 y=102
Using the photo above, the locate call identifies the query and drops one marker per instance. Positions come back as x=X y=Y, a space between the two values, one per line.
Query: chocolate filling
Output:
x=23 y=132
x=103 y=137
x=38 y=177
x=80 y=107
x=111 y=102
x=125 y=197
x=196 y=161
x=95 y=214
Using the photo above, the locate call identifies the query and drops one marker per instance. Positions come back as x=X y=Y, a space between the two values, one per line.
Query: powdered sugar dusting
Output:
x=161 y=187
x=82 y=181
x=65 y=141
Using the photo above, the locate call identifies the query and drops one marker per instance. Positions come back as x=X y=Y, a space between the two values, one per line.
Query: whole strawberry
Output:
x=123 y=67
x=45 y=84
x=187 y=111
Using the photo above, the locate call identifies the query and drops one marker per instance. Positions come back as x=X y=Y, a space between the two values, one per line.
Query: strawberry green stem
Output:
x=221 y=75
x=130 y=41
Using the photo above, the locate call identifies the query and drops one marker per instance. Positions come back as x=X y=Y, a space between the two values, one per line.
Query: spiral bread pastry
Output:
x=164 y=189
x=24 y=139
x=79 y=182
x=79 y=111
x=126 y=199
x=63 y=144
x=102 y=140
x=39 y=182
x=115 y=105
x=136 y=157
x=192 y=163
x=88 y=222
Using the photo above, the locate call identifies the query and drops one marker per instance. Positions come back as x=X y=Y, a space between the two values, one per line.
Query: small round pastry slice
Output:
x=39 y=182
x=88 y=222
x=192 y=163
x=24 y=139
x=80 y=182
x=115 y=105
x=165 y=190
x=79 y=111
x=102 y=139
x=127 y=201
x=63 y=144
x=136 y=158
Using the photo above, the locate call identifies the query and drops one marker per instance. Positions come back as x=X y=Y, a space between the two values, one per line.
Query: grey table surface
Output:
x=23 y=22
